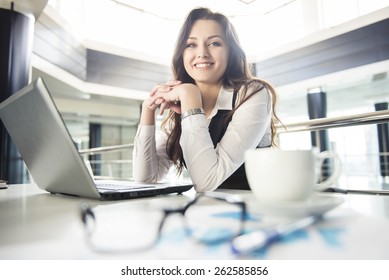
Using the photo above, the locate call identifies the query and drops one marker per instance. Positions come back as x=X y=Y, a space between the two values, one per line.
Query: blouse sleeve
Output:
x=150 y=160
x=209 y=167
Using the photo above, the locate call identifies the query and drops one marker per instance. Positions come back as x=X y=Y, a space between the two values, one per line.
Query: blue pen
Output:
x=247 y=243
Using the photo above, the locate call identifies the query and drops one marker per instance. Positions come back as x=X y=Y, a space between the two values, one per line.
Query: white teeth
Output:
x=203 y=65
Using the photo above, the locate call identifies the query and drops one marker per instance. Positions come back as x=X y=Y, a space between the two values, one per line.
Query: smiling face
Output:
x=206 y=53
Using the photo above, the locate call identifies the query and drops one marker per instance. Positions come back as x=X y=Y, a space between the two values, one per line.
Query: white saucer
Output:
x=318 y=204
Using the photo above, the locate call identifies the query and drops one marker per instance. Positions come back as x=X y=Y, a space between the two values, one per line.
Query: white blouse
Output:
x=208 y=167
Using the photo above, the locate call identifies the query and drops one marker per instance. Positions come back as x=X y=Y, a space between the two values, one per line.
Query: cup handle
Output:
x=336 y=171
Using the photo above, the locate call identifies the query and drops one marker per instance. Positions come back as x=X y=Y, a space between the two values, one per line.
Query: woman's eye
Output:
x=216 y=44
x=191 y=45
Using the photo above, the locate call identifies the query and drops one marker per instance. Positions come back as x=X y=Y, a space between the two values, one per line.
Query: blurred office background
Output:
x=99 y=59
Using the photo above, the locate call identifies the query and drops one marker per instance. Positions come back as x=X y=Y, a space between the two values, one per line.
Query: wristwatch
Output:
x=194 y=111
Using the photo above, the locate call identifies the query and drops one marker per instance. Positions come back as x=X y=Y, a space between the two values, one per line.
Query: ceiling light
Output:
x=247 y=1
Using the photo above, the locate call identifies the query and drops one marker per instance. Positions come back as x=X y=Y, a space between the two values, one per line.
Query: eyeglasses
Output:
x=209 y=218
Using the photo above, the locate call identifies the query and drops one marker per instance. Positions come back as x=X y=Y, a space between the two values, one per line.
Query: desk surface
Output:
x=37 y=225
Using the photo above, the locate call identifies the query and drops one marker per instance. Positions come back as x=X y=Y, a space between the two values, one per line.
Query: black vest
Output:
x=217 y=128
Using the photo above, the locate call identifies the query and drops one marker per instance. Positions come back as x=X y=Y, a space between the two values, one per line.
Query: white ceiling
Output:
x=177 y=10
x=147 y=29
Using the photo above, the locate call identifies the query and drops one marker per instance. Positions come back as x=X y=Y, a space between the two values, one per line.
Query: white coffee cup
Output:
x=276 y=175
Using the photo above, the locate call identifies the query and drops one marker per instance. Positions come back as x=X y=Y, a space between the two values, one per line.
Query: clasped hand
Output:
x=166 y=97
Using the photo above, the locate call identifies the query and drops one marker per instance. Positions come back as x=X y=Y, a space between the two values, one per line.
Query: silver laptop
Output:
x=42 y=139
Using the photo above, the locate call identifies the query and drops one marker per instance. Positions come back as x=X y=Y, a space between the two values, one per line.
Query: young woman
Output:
x=217 y=110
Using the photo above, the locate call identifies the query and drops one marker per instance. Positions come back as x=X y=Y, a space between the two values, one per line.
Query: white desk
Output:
x=38 y=225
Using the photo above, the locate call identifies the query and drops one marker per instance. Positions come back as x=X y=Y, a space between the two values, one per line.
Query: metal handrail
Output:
x=311 y=125
x=99 y=150
x=335 y=122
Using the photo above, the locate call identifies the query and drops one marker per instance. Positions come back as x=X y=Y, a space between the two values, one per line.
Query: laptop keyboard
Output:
x=120 y=186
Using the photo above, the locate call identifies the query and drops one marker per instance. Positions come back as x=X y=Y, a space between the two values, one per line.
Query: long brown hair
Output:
x=237 y=77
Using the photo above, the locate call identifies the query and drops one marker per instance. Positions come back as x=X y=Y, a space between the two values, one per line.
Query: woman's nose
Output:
x=202 y=52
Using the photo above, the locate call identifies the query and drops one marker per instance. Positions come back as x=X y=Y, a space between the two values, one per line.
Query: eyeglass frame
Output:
x=87 y=212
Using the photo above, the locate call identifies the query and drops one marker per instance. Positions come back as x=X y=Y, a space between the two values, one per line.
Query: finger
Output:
x=154 y=90
x=154 y=102
x=166 y=87
x=173 y=82
x=159 y=101
x=162 y=108
x=160 y=88
x=152 y=106
x=155 y=97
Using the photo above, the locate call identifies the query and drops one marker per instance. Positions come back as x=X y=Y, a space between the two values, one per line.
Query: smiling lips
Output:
x=203 y=65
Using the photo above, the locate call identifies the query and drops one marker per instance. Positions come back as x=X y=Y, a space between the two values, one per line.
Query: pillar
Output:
x=16 y=36
x=317 y=108
x=383 y=141
x=95 y=142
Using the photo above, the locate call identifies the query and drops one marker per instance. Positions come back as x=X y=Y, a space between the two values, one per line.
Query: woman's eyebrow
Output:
x=215 y=36
x=210 y=37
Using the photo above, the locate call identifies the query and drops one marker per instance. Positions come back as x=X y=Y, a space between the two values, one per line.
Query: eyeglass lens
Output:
x=123 y=227
x=212 y=220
